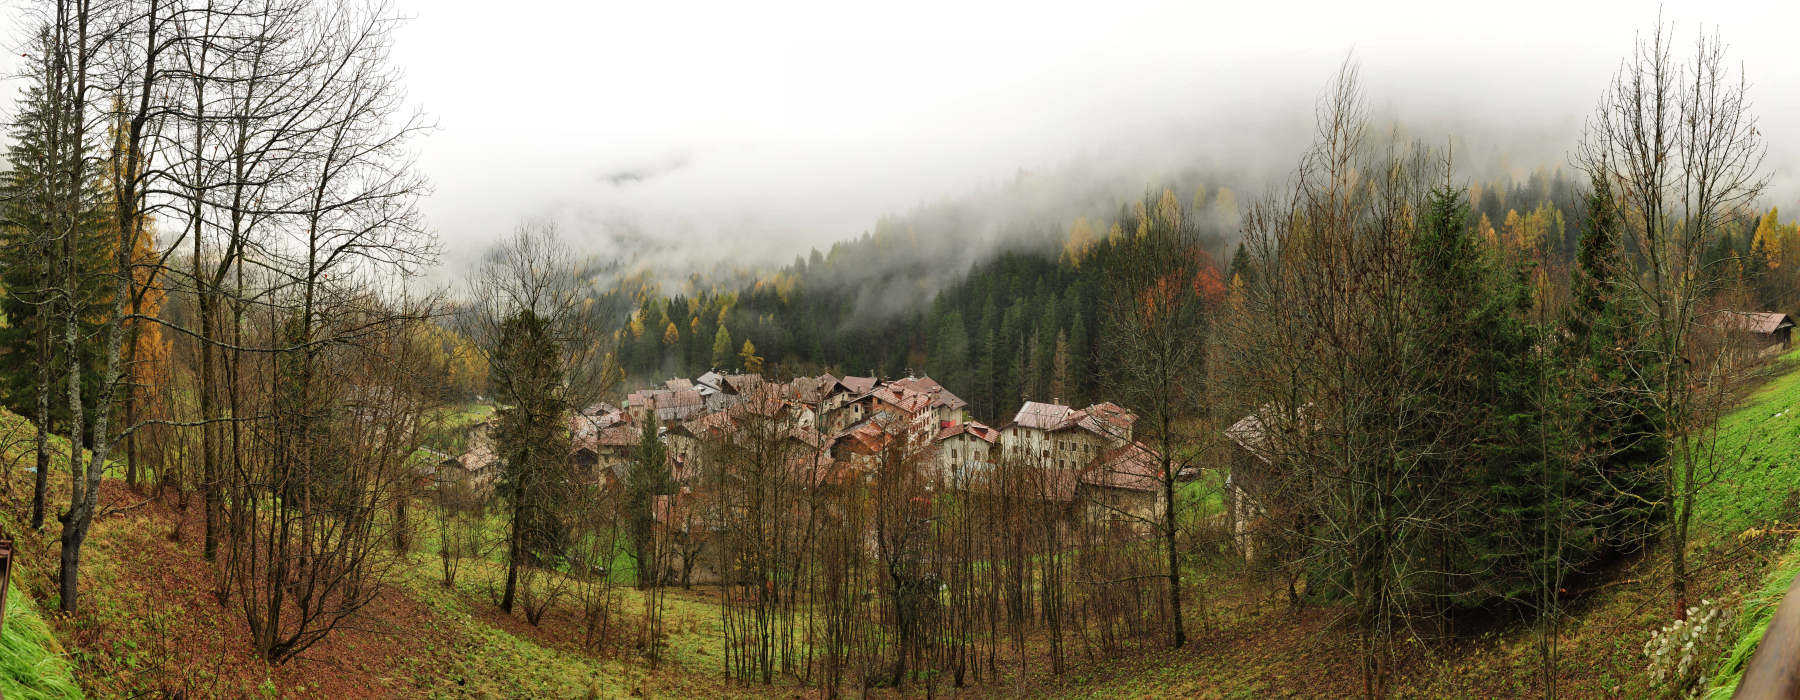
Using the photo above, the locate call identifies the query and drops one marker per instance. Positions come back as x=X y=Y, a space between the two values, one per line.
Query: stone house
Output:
x=1058 y=436
x=1120 y=491
x=965 y=449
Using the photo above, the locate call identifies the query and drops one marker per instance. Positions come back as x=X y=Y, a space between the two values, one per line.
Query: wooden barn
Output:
x=1760 y=333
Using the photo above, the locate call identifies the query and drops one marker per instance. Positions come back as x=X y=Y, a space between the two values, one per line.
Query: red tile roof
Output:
x=1109 y=417
x=673 y=509
x=740 y=383
x=864 y=437
x=1105 y=419
x=1134 y=467
x=683 y=398
x=939 y=395
x=619 y=436
x=972 y=429
x=709 y=424
x=814 y=390
x=906 y=400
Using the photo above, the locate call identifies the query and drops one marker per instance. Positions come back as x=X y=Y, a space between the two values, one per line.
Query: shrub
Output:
x=1682 y=651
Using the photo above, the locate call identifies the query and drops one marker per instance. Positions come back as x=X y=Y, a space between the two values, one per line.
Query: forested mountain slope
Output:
x=1014 y=310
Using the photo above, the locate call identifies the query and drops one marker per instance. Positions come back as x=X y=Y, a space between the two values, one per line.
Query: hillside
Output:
x=990 y=293
x=1254 y=645
x=1189 y=374
x=153 y=625
x=33 y=663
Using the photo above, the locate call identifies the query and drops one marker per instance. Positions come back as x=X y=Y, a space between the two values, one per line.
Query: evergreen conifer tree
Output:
x=1619 y=435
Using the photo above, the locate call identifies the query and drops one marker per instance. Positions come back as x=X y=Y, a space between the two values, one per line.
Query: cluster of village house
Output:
x=1084 y=464
x=1087 y=469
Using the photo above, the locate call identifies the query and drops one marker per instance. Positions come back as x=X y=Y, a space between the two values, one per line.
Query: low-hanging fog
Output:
x=748 y=133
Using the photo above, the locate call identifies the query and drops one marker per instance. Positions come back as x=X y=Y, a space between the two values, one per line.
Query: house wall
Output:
x=1245 y=482
x=1122 y=511
x=962 y=449
x=834 y=402
x=835 y=419
x=1020 y=442
x=1073 y=449
x=683 y=446
x=1066 y=449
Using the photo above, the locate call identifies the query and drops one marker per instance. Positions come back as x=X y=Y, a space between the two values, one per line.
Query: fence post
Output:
x=1771 y=672
x=6 y=557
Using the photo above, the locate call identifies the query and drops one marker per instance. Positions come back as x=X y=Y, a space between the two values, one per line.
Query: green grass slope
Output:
x=1758 y=448
x=1757 y=492
x=32 y=663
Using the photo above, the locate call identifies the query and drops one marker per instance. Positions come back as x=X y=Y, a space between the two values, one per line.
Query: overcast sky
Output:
x=764 y=128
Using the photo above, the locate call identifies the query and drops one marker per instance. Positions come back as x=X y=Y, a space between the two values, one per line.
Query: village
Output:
x=824 y=431
x=1084 y=465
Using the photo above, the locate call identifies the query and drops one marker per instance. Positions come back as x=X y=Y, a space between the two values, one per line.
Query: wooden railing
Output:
x=6 y=559
x=1774 y=670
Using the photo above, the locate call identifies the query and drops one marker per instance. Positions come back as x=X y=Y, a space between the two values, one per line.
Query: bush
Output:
x=1681 y=651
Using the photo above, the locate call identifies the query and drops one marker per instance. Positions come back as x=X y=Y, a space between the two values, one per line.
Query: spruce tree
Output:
x=1618 y=438
x=1480 y=423
x=29 y=367
x=648 y=477
x=48 y=277
x=532 y=442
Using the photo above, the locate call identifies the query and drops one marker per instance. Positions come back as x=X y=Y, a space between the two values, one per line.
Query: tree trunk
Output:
x=1176 y=627
x=41 y=478
x=69 y=564
x=1678 y=547
x=514 y=549
x=40 y=482
x=85 y=483
x=402 y=525
x=131 y=394
x=209 y=462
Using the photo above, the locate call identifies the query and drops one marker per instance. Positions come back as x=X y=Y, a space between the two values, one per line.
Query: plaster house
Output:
x=946 y=408
x=1257 y=492
x=1120 y=491
x=593 y=448
x=1058 y=436
x=965 y=451
x=844 y=408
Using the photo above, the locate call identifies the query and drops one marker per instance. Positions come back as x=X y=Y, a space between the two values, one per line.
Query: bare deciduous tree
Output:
x=1679 y=148
x=1157 y=316
x=1328 y=363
